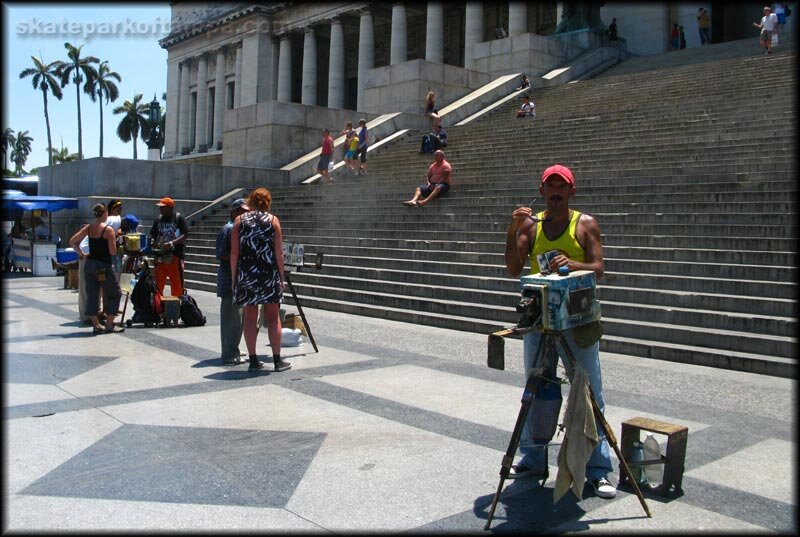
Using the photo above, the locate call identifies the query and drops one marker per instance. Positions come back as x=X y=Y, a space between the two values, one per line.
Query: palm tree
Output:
x=135 y=121
x=7 y=140
x=46 y=78
x=81 y=70
x=20 y=151
x=63 y=155
x=104 y=85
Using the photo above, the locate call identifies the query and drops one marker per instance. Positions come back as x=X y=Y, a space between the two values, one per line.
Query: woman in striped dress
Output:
x=257 y=274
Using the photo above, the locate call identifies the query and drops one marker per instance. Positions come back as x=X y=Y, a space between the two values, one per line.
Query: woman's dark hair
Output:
x=114 y=202
x=99 y=210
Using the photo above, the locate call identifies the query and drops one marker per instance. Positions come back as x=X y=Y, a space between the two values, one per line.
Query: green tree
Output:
x=46 y=78
x=7 y=140
x=104 y=86
x=20 y=151
x=81 y=70
x=134 y=122
x=63 y=155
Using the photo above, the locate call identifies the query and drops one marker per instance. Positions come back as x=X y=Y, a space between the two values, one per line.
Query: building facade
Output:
x=251 y=84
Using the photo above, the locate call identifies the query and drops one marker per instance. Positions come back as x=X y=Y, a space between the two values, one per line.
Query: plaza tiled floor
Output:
x=390 y=427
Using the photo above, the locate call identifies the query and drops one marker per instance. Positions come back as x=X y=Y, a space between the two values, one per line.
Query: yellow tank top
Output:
x=567 y=243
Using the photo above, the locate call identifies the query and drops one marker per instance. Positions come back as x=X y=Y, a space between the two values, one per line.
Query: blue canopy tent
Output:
x=14 y=203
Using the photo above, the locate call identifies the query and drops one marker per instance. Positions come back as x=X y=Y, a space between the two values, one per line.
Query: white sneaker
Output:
x=603 y=488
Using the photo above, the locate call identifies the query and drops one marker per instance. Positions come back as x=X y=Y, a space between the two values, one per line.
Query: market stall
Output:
x=31 y=253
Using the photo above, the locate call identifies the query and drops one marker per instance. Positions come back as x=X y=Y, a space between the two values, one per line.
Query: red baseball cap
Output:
x=166 y=201
x=561 y=171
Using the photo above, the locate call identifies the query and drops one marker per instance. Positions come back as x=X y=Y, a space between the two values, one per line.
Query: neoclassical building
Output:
x=251 y=84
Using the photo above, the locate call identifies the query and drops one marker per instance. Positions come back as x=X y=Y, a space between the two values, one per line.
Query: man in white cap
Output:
x=230 y=315
x=576 y=237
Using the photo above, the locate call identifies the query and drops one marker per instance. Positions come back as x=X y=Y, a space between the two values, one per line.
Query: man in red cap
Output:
x=576 y=237
x=168 y=234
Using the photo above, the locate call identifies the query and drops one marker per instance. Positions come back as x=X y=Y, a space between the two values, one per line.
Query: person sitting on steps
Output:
x=438 y=182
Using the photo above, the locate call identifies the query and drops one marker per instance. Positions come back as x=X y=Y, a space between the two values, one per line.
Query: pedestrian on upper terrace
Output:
x=524 y=83
x=767 y=25
x=437 y=182
x=430 y=109
x=612 y=30
x=230 y=315
x=363 y=144
x=682 y=38
x=434 y=140
x=781 y=11
x=704 y=26
x=98 y=270
x=258 y=275
x=675 y=36
x=325 y=156
x=527 y=109
x=576 y=237
x=168 y=235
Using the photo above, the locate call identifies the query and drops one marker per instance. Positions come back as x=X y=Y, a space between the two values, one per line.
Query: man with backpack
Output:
x=435 y=140
x=230 y=315
x=168 y=235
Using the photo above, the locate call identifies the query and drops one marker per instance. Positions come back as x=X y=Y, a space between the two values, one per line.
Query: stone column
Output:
x=309 y=84
x=173 y=98
x=336 y=66
x=399 y=50
x=200 y=136
x=285 y=69
x=517 y=18
x=237 y=79
x=219 y=98
x=473 y=32
x=183 y=104
x=434 y=33
x=366 y=52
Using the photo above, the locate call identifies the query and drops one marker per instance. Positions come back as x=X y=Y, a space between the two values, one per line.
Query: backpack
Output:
x=427 y=146
x=190 y=312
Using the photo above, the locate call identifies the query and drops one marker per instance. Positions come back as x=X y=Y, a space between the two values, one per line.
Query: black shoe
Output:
x=255 y=363
x=280 y=364
x=519 y=471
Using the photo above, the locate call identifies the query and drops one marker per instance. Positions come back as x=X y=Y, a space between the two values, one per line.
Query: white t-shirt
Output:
x=768 y=22
x=115 y=222
x=777 y=8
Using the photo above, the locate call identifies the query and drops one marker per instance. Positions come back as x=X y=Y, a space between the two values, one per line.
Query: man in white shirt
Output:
x=114 y=221
x=768 y=23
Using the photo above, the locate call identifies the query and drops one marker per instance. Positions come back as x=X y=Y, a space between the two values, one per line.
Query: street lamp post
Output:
x=154 y=142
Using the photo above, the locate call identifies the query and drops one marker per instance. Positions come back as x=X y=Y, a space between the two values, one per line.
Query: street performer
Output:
x=576 y=237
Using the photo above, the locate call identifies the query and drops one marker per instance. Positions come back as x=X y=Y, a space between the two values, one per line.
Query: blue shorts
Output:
x=781 y=18
x=350 y=154
x=426 y=189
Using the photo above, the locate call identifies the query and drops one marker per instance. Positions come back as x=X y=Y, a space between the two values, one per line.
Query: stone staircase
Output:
x=689 y=170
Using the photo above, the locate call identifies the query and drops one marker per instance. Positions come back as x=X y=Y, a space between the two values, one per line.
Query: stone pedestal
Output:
x=154 y=154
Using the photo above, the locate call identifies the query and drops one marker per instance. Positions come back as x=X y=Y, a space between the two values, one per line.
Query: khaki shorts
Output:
x=766 y=35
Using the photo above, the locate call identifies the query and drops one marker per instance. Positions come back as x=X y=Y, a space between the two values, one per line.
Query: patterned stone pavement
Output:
x=390 y=427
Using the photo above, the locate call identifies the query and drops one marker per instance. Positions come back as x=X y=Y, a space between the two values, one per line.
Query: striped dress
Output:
x=258 y=280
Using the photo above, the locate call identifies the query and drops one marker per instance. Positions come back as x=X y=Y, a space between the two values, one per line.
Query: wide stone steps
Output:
x=696 y=198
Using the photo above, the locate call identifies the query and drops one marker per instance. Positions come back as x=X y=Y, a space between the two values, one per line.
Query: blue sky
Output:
x=126 y=35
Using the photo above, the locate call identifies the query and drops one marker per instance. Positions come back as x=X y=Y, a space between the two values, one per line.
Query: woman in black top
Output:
x=98 y=269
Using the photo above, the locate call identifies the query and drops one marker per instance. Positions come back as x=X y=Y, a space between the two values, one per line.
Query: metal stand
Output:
x=300 y=309
x=546 y=344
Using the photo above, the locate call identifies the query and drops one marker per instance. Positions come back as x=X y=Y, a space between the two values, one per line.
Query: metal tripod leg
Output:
x=300 y=309
x=545 y=344
x=612 y=440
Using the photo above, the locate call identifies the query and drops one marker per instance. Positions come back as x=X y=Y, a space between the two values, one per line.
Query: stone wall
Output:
x=533 y=54
x=273 y=133
x=403 y=87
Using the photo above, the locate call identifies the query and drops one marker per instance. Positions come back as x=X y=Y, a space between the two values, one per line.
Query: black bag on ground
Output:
x=190 y=312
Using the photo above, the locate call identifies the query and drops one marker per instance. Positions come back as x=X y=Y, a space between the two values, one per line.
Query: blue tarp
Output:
x=49 y=203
